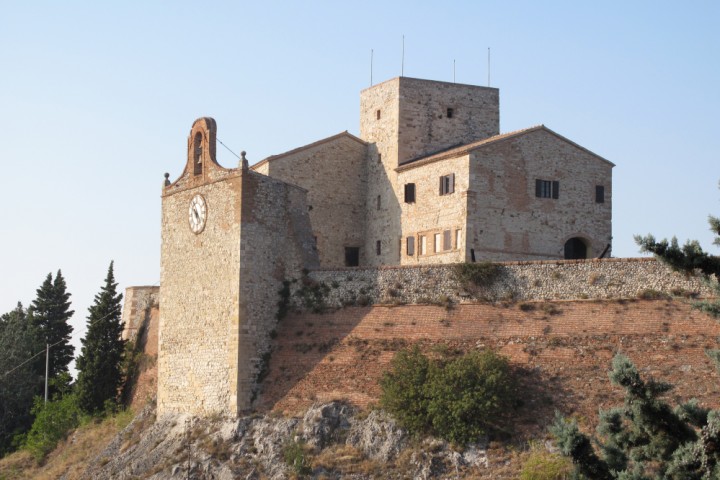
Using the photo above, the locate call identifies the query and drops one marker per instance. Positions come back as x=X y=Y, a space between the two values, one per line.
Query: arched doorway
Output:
x=575 y=249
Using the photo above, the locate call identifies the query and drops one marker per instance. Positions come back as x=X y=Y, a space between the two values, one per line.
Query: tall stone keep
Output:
x=230 y=236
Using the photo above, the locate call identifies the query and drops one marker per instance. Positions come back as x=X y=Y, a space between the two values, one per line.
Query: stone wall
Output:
x=431 y=215
x=333 y=171
x=515 y=281
x=138 y=301
x=508 y=222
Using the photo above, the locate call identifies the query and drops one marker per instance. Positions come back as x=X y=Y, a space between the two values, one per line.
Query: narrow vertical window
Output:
x=450 y=113
x=423 y=245
x=599 y=194
x=410 y=246
x=377 y=114
x=379 y=157
x=409 y=193
x=447 y=240
x=197 y=154
x=378 y=247
x=438 y=239
x=378 y=202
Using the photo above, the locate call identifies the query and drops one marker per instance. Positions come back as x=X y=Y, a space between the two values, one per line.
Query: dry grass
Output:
x=348 y=460
x=71 y=455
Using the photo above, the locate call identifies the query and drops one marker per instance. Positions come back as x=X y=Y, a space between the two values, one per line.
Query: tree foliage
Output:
x=690 y=258
x=100 y=363
x=18 y=382
x=53 y=421
x=645 y=438
x=459 y=399
x=49 y=314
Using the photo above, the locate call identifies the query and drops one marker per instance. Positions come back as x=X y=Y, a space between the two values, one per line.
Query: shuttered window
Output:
x=599 y=194
x=547 y=189
x=447 y=184
x=410 y=246
x=447 y=240
x=409 y=193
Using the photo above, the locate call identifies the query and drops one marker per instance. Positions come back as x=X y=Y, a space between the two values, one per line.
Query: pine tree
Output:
x=18 y=382
x=690 y=258
x=49 y=314
x=99 y=365
x=645 y=438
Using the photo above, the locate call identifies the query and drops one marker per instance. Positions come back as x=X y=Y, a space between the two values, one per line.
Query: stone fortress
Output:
x=430 y=181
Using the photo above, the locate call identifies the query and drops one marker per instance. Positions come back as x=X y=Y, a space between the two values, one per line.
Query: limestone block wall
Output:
x=379 y=126
x=276 y=243
x=516 y=281
x=431 y=215
x=136 y=309
x=425 y=126
x=508 y=222
x=200 y=278
x=333 y=171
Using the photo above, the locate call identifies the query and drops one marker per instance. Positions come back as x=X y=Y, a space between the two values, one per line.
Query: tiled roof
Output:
x=467 y=148
x=310 y=145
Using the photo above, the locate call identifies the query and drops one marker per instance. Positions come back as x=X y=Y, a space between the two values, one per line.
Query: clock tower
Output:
x=230 y=236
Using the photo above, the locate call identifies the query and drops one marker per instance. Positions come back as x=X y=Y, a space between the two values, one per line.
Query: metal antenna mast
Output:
x=488 y=66
x=453 y=70
x=371 y=62
x=402 y=63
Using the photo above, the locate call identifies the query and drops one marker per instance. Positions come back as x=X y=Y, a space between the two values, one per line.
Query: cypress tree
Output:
x=49 y=314
x=99 y=365
x=19 y=382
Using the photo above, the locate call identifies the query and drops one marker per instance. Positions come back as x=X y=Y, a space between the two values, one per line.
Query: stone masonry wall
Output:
x=424 y=125
x=276 y=243
x=333 y=171
x=432 y=214
x=515 y=281
x=379 y=123
x=136 y=309
x=508 y=222
x=199 y=319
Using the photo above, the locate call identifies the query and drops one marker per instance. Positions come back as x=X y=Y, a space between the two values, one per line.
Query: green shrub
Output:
x=476 y=274
x=296 y=458
x=458 y=399
x=543 y=465
x=53 y=421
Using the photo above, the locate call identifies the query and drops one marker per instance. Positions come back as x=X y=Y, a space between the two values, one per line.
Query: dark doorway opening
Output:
x=352 y=256
x=575 y=249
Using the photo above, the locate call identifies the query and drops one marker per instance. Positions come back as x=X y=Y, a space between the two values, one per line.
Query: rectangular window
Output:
x=379 y=157
x=378 y=202
x=410 y=246
x=409 y=193
x=450 y=113
x=447 y=184
x=352 y=256
x=378 y=114
x=599 y=194
x=547 y=189
x=458 y=238
x=423 y=245
x=438 y=239
x=378 y=247
x=447 y=240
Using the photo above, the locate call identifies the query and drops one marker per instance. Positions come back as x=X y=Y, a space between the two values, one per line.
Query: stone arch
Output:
x=576 y=248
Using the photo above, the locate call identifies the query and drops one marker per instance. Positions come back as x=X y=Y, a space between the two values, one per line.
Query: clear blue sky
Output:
x=97 y=99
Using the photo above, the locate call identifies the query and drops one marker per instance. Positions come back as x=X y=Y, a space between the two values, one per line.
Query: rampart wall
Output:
x=515 y=281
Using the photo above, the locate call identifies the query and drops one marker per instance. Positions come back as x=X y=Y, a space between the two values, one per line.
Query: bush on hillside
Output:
x=53 y=421
x=458 y=399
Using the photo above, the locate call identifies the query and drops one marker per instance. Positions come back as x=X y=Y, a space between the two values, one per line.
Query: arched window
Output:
x=197 y=154
x=575 y=249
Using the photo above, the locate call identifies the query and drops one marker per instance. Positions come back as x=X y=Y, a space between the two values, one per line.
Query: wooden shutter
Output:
x=555 y=189
x=538 y=187
x=442 y=185
x=409 y=193
x=410 y=246
x=451 y=178
x=447 y=240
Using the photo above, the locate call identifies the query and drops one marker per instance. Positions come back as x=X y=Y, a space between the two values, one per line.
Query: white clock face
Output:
x=197 y=213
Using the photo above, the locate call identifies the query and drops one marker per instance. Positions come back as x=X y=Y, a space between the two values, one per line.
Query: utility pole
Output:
x=47 y=368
